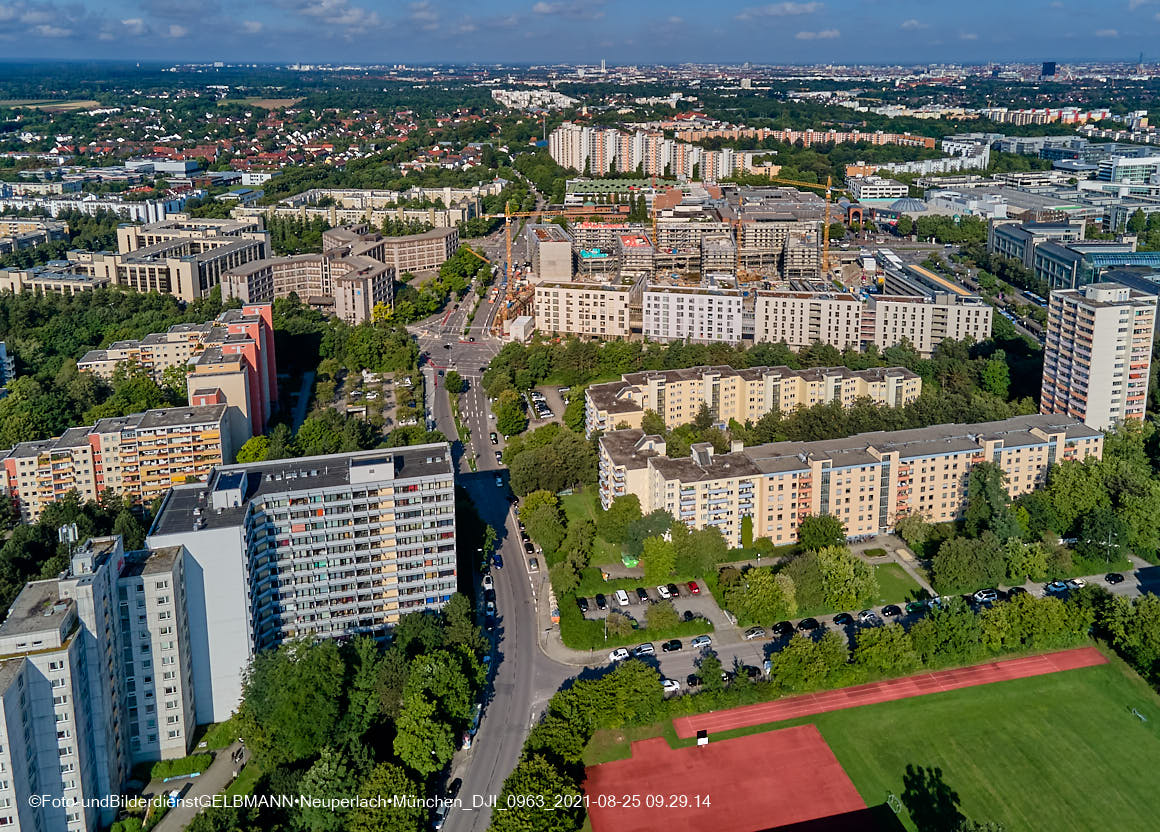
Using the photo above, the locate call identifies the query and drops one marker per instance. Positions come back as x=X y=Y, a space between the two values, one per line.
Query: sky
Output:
x=581 y=31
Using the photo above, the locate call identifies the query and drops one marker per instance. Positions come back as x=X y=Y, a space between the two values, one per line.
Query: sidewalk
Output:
x=213 y=780
x=898 y=552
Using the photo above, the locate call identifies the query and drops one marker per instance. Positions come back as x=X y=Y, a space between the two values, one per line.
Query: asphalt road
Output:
x=523 y=679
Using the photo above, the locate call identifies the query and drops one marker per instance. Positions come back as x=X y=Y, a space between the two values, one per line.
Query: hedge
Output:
x=193 y=764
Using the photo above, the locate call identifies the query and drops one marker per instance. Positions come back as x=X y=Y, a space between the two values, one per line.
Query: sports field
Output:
x=1061 y=752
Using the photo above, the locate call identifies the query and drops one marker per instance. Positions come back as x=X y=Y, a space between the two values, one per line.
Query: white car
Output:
x=671 y=685
x=618 y=655
x=1076 y=583
x=622 y=597
x=701 y=641
x=488 y=583
x=663 y=591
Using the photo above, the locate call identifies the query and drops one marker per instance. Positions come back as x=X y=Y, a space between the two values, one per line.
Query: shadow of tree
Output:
x=932 y=804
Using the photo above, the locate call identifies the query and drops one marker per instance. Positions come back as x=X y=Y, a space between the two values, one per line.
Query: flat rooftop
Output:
x=150 y=561
x=37 y=608
x=186 y=505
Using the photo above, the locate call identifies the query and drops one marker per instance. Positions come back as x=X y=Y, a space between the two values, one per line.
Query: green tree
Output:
x=254 y=449
x=995 y=377
x=422 y=741
x=329 y=778
x=384 y=781
x=905 y=226
x=1137 y=223
x=988 y=503
x=541 y=516
x=848 y=580
x=658 y=558
x=912 y=528
x=709 y=669
x=661 y=616
x=613 y=523
x=454 y=383
x=886 y=650
x=821 y=530
x=963 y=564
x=762 y=597
x=511 y=416
x=535 y=776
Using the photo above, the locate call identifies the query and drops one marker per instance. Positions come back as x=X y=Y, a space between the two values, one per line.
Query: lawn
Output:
x=1061 y=752
x=579 y=506
x=895 y=586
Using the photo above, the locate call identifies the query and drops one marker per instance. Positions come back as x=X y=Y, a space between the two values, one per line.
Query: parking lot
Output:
x=700 y=605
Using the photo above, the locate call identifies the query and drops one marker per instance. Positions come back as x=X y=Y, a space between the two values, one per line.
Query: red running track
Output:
x=887 y=691
x=757 y=782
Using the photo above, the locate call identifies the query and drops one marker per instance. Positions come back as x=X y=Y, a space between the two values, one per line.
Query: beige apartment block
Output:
x=1098 y=354
x=742 y=395
x=589 y=310
x=867 y=481
x=801 y=319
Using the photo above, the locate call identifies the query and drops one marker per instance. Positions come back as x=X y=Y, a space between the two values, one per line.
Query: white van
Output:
x=622 y=597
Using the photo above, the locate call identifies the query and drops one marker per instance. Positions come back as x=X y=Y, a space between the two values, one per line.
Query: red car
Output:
x=693 y=588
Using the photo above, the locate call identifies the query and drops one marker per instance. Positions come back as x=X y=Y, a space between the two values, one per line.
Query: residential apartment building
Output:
x=925 y=321
x=742 y=395
x=316 y=547
x=139 y=456
x=1098 y=353
x=804 y=318
x=417 y=253
x=587 y=309
x=95 y=677
x=866 y=481
x=227 y=361
x=58 y=277
x=703 y=314
x=183 y=227
x=551 y=251
x=441 y=207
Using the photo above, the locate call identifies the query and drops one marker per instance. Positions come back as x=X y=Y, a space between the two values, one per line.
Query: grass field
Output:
x=1061 y=752
x=264 y=103
x=894 y=585
x=579 y=506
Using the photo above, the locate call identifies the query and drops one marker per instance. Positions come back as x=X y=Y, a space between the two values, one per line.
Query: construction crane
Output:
x=475 y=253
x=829 y=189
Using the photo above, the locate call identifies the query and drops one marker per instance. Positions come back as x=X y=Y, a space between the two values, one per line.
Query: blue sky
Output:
x=622 y=31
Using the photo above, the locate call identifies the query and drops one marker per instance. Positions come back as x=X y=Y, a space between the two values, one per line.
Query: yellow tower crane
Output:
x=829 y=189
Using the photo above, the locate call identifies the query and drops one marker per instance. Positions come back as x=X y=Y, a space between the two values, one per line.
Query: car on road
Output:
x=446 y=346
x=671 y=646
x=618 y=655
x=499 y=457
x=1054 y=588
x=671 y=685
x=869 y=618
x=891 y=611
x=642 y=594
x=674 y=591
x=488 y=583
x=783 y=628
x=700 y=641
x=1113 y=578
x=663 y=591
x=807 y=625
x=693 y=680
x=453 y=788
x=582 y=603
x=494 y=438
x=497 y=560
x=529 y=547
x=985 y=596
x=1076 y=583
x=533 y=565
x=645 y=649
x=916 y=607
x=622 y=597
x=499 y=482
x=693 y=588
x=843 y=619
x=601 y=601
x=754 y=632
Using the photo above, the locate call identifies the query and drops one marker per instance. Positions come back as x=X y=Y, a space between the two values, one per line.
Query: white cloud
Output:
x=676 y=21
x=825 y=34
x=913 y=25
x=1107 y=33
x=251 y=27
x=176 y=31
x=547 y=8
x=46 y=31
x=134 y=26
x=336 y=12
x=1135 y=4
x=576 y=9
x=968 y=36
x=779 y=10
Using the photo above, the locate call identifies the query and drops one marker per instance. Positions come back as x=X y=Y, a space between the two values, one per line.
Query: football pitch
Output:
x=1060 y=752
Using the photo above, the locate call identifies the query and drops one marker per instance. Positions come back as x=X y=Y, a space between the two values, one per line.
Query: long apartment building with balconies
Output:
x=95 y=677
x=229 y=360
x=743 y=395
x=139 y=456
x=867 y=481
x=1097 y=355
x=317 y=547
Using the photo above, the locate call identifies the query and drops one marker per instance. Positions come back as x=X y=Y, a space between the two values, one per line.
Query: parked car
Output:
x=869 y=618
x=618 y=655
x=582 y=603
x=984 y=596
x=807 y=625
x=700 y=641
x=497 y=560
x=671 y=685
x=533 y=565
x=499 y=482
x=499 y=457
x=1076 y=583
x=494 y=438
x=488 y=583
x=1054 y=588
x=645 y=649
x=622 y=597
x=671 y=646
x=642 y=594
x=916 y=607
x=529 y=547
x=674 y=591
x=843 y=619
x=663 y=591
x=1015 y=590
x=688 y=615
x=1114 y=578
x=783 y=628
x=693 y=680
x=693 y=588
x=601 y=602
x=754 y=632
x=891 y=611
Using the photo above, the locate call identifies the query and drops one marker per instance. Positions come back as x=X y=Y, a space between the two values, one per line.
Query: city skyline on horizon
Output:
x=570 y=31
